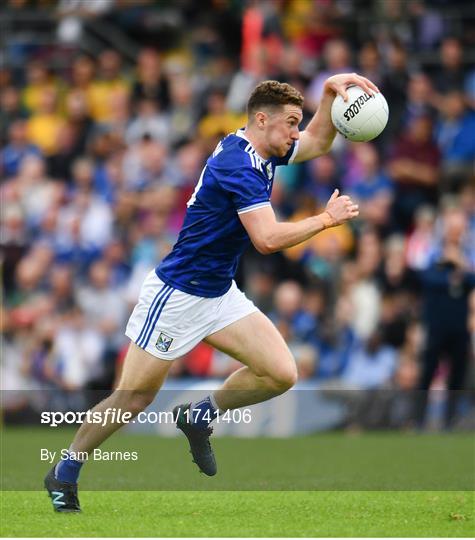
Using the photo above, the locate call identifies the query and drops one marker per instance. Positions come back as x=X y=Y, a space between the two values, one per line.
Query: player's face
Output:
x=283 y=129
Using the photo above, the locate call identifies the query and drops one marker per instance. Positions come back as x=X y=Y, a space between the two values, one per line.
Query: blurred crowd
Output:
x=98 y=159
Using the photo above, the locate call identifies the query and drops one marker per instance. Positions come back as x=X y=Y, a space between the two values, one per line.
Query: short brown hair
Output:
x=273 y=94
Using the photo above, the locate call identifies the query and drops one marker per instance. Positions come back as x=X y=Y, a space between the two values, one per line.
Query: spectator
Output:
x=146 y=168
x=369 y=184
x=17 y=148
x=34 y=190
x=298 y=327
x=420 y=243
x=151 y=83
x=103 y=306
x=364 y=293
x=82 y=76
x=413 y=166
x=429 y=26
x=469 y=89
x=108 y=82
x=450 y=75
x=14 y=242
x=371 y=365
x=109 y=180
x=80 y=122
x=395 y=277
x=189 y=163
x=310 y=26
x=322 y=253
x=244 y=81
x=11 y=110
x=61 y=288
x=455 y=139
x=149 y=122
x=12 y=374
x=151 y=244
x=45 y=125
x=322 y=178
x=218 y=121
x=38 y=359
x=369 y=62
x=337 y=59
x=41 y=82
x=446 y=289
x=182 y=111
x=399 y=287
x=404 y=384
x=28 y=279
x=77 y=351
x=394 y=88
x=116 y=256
x=292 y=69
x=419 y=99
x=84 y=229
x=453 y=227
x=60 y=162
x=6 y=77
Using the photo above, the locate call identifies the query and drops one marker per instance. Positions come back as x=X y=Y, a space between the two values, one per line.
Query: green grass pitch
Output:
x=228 y=514
x=324 y=485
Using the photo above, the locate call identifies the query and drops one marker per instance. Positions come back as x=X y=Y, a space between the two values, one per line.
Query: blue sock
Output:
x=204 y=412
x=67 y=470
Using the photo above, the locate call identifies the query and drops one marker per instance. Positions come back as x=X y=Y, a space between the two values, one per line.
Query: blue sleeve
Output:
x=248 y=189
x=289 y=157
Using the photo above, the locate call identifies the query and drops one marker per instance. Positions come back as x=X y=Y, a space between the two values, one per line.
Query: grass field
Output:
x=324 y=485
x=227 y=514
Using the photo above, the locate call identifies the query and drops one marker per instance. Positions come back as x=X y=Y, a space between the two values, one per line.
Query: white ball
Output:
x=362 y=117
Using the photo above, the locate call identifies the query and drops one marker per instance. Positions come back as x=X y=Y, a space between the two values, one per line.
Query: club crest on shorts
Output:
x=163 y=342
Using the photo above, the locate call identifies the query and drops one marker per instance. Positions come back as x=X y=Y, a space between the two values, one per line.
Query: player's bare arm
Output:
x=268 y=235
x=318 y=136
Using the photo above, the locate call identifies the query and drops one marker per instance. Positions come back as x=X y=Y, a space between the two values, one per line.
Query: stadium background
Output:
x=109 y=109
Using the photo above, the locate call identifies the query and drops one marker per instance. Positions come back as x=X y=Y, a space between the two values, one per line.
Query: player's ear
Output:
x=260 y=118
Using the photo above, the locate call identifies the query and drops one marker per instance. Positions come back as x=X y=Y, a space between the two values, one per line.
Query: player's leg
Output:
x=269 y=371
x=269 y=368
x=233 y=324
x=142 y=376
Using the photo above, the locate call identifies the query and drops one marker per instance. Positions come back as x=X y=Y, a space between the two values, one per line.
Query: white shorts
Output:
x=168 y=323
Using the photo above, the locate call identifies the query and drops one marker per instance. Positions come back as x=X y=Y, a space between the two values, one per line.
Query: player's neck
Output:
x=258 y=143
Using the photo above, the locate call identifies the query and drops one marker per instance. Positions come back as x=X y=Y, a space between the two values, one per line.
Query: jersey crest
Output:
x=270 y=171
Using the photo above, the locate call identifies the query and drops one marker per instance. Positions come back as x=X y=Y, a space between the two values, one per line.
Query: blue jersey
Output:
x=234 y=180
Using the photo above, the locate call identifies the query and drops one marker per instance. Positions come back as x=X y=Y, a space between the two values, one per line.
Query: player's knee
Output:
x=137 y=401
x=285 y=377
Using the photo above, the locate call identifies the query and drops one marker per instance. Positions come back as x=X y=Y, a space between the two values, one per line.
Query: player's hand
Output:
x=339 y=209
x=337 y=84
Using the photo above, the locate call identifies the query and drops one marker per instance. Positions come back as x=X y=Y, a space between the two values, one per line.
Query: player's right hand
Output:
x=340 y=208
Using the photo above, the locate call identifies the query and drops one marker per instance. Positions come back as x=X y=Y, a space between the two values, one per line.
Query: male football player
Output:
x=191 y=295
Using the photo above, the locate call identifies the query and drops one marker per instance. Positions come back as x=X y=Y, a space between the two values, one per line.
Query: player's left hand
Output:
x=337 y=84
x=339 y=209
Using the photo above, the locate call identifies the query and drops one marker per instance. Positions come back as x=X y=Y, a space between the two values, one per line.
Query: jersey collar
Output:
x=240 y=133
